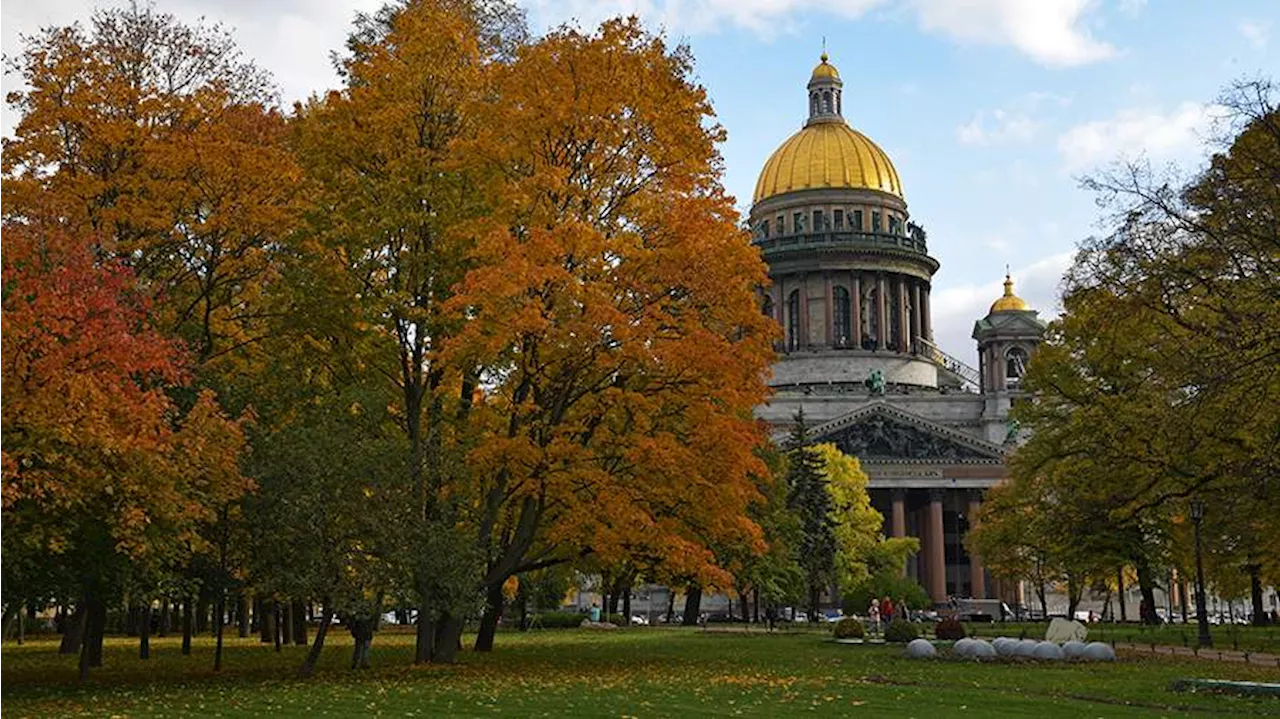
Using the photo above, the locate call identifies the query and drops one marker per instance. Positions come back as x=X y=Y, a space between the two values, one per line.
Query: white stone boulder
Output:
x=1047 y=651
x=1073 y=649
x=981 y=650
x=1025 y=648
x=962 y=647
x=1004 y=646
x=1098 y=652
x=1065 y=630
x=921 y=649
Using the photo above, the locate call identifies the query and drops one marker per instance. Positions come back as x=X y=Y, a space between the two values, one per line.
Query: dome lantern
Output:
x=825 y=88
x=1009 y=302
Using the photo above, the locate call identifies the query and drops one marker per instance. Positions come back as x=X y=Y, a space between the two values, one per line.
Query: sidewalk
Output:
x=1220 y=655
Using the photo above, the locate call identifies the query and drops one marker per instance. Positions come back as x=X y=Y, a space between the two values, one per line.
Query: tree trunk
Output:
x=219 y=609
x=1255 y=594
x=1044 y=605
x=144 y=631
x=361 y=639
x=1074 y=591
x=266 y=621
x=671 y=605
x=299 y=623
x=73 y=632
x=1120 y=594
x=286 y=630
x=448 y=639
x=96 y=628
x=188 y=626
x=202 y=612
x=692 y=605
x=276 y=624
x=88 y=605
x=424 y=645
x=162 y=627
x=1147 y=589
x=309 y=664
x=494 y=604
x=242 y=615
x=626 y=605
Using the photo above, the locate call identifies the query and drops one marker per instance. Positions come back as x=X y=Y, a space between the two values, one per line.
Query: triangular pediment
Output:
x=1011 y=323
x=882 y=433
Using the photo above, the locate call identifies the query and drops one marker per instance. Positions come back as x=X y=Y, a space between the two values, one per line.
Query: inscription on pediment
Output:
x=879 y=438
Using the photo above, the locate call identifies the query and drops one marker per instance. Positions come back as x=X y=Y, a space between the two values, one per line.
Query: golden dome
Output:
x=827 y=154
x=1009 y=302
x=824 y=69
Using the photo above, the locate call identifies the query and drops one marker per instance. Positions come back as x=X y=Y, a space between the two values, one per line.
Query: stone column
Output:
x=926 y=323
x=882 y=312
x=904 y=323
x=936 y=550
x=855 y=309
x=829 y=336
x=803 y=334
x=916 y=330
x=898 y=523
x=977 y=580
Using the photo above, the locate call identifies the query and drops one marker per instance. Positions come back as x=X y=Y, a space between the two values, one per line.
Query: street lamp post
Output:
x=1197 y=516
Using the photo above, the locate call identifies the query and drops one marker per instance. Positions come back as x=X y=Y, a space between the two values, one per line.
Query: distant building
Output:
x=851 y=280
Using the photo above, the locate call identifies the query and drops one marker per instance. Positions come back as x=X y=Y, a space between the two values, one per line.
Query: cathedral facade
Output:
x=851 y=278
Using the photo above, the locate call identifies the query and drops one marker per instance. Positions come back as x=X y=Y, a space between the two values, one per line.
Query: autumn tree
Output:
x=99 y=480
x=389 y=236
x=611 y=312
x=160 y=139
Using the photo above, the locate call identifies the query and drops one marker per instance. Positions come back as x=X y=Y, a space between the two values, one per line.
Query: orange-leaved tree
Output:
x=611 y=307
x=160 y=140
x=103 y=477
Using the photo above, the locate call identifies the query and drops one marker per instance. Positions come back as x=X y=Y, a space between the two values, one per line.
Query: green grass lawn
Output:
x=635 y=672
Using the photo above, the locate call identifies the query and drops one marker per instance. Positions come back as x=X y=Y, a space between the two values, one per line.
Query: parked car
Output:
x=639 y=619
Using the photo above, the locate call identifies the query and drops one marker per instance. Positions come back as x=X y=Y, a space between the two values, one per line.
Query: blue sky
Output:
x=991 y=109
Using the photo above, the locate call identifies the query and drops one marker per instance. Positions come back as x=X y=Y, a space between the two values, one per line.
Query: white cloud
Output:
x=1050 y=32
x=1258 y=34
x=1133 y=133
x=1132 y=8
x=956 y=308
x=290 y=38
x=1018 y=121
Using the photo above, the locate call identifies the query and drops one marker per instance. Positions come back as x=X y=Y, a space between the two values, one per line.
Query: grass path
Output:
x=639 y=672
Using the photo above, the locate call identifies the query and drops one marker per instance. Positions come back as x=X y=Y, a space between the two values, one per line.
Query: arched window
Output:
x=826 y=101
x=842 y=333
x=1015 y=365
x=767 y=307
x=870 y=312
x=793 y=320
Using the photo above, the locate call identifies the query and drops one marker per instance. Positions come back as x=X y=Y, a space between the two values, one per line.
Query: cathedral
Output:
x=850 y=286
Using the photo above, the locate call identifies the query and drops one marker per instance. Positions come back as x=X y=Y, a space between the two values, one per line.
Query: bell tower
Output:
x=1006 y=337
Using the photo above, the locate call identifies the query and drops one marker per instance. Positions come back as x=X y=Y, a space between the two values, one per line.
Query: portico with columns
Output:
x=850 y=285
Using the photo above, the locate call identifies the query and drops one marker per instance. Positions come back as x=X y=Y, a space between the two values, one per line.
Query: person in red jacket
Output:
x=886 y=609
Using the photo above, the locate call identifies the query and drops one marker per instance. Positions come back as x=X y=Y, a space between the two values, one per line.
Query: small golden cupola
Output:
x=1009 y=302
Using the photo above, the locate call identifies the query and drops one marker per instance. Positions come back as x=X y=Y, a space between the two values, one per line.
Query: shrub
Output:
x=848 y=628
x=559 y=620
x=900 y=631
x=950 y=629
